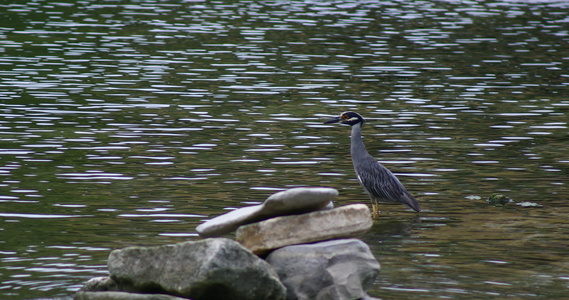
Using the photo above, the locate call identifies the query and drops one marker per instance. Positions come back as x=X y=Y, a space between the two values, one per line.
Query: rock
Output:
x=98 y=284
x=123 y=296
x=291 y=201
x=342 y=222
x=228 y=222
x=299 y=200
x=331 y=270
x=498 y=199
x=209 y=269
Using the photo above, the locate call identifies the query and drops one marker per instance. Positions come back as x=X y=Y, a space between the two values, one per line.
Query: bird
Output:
x=375 y=179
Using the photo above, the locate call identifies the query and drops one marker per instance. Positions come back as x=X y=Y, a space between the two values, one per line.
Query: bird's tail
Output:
x=410 y=201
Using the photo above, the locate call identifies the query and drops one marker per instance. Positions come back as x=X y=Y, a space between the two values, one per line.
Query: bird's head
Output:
x=351 y=118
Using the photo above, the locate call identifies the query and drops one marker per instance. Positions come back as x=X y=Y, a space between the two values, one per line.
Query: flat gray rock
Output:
x=341 y=222
x=289 y=202
x=210 y=269
x=331 y=270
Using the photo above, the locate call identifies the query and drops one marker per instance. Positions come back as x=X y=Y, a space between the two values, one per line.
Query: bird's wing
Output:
x=379 y=181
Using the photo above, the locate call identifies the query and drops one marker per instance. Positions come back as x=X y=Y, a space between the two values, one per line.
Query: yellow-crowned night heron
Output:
x=376 y=180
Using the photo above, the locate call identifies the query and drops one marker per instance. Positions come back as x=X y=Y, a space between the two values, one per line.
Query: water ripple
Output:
x=186 y=109
x=39 y=216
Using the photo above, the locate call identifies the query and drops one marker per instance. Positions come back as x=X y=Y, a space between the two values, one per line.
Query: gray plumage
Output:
x=376 y=180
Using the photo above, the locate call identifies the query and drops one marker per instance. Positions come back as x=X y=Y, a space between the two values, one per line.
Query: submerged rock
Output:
x=291 y=201
x=498 y=199
x=208 y=269
x=331 y=270
x=342 y=222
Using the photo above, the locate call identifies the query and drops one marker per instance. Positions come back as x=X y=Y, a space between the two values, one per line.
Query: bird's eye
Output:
x=345 y=117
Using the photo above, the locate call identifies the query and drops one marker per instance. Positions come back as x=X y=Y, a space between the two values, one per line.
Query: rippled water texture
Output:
x=130 y=122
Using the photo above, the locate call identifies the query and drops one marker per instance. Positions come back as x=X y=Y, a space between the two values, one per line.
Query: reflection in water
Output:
x=131 y=124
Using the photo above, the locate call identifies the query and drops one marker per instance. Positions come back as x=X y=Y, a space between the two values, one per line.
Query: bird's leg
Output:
x=374 y=210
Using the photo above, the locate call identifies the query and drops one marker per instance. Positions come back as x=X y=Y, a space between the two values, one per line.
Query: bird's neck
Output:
x=358 y=149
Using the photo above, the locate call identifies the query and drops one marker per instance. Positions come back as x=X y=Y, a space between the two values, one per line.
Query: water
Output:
x=130 y=123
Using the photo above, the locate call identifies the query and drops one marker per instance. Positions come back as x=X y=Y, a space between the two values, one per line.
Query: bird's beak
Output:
x=334 y=120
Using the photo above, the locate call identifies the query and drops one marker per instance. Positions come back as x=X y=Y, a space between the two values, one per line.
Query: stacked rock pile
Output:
x=293 y=246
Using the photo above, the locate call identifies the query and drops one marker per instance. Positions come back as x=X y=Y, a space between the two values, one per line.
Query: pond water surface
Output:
x=131 y=122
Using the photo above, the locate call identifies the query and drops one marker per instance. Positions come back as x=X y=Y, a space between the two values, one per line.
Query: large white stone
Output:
x=291 y=201
x=342 y=222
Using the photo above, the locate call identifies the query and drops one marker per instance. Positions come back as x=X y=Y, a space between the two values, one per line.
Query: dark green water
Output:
x=130 y=122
